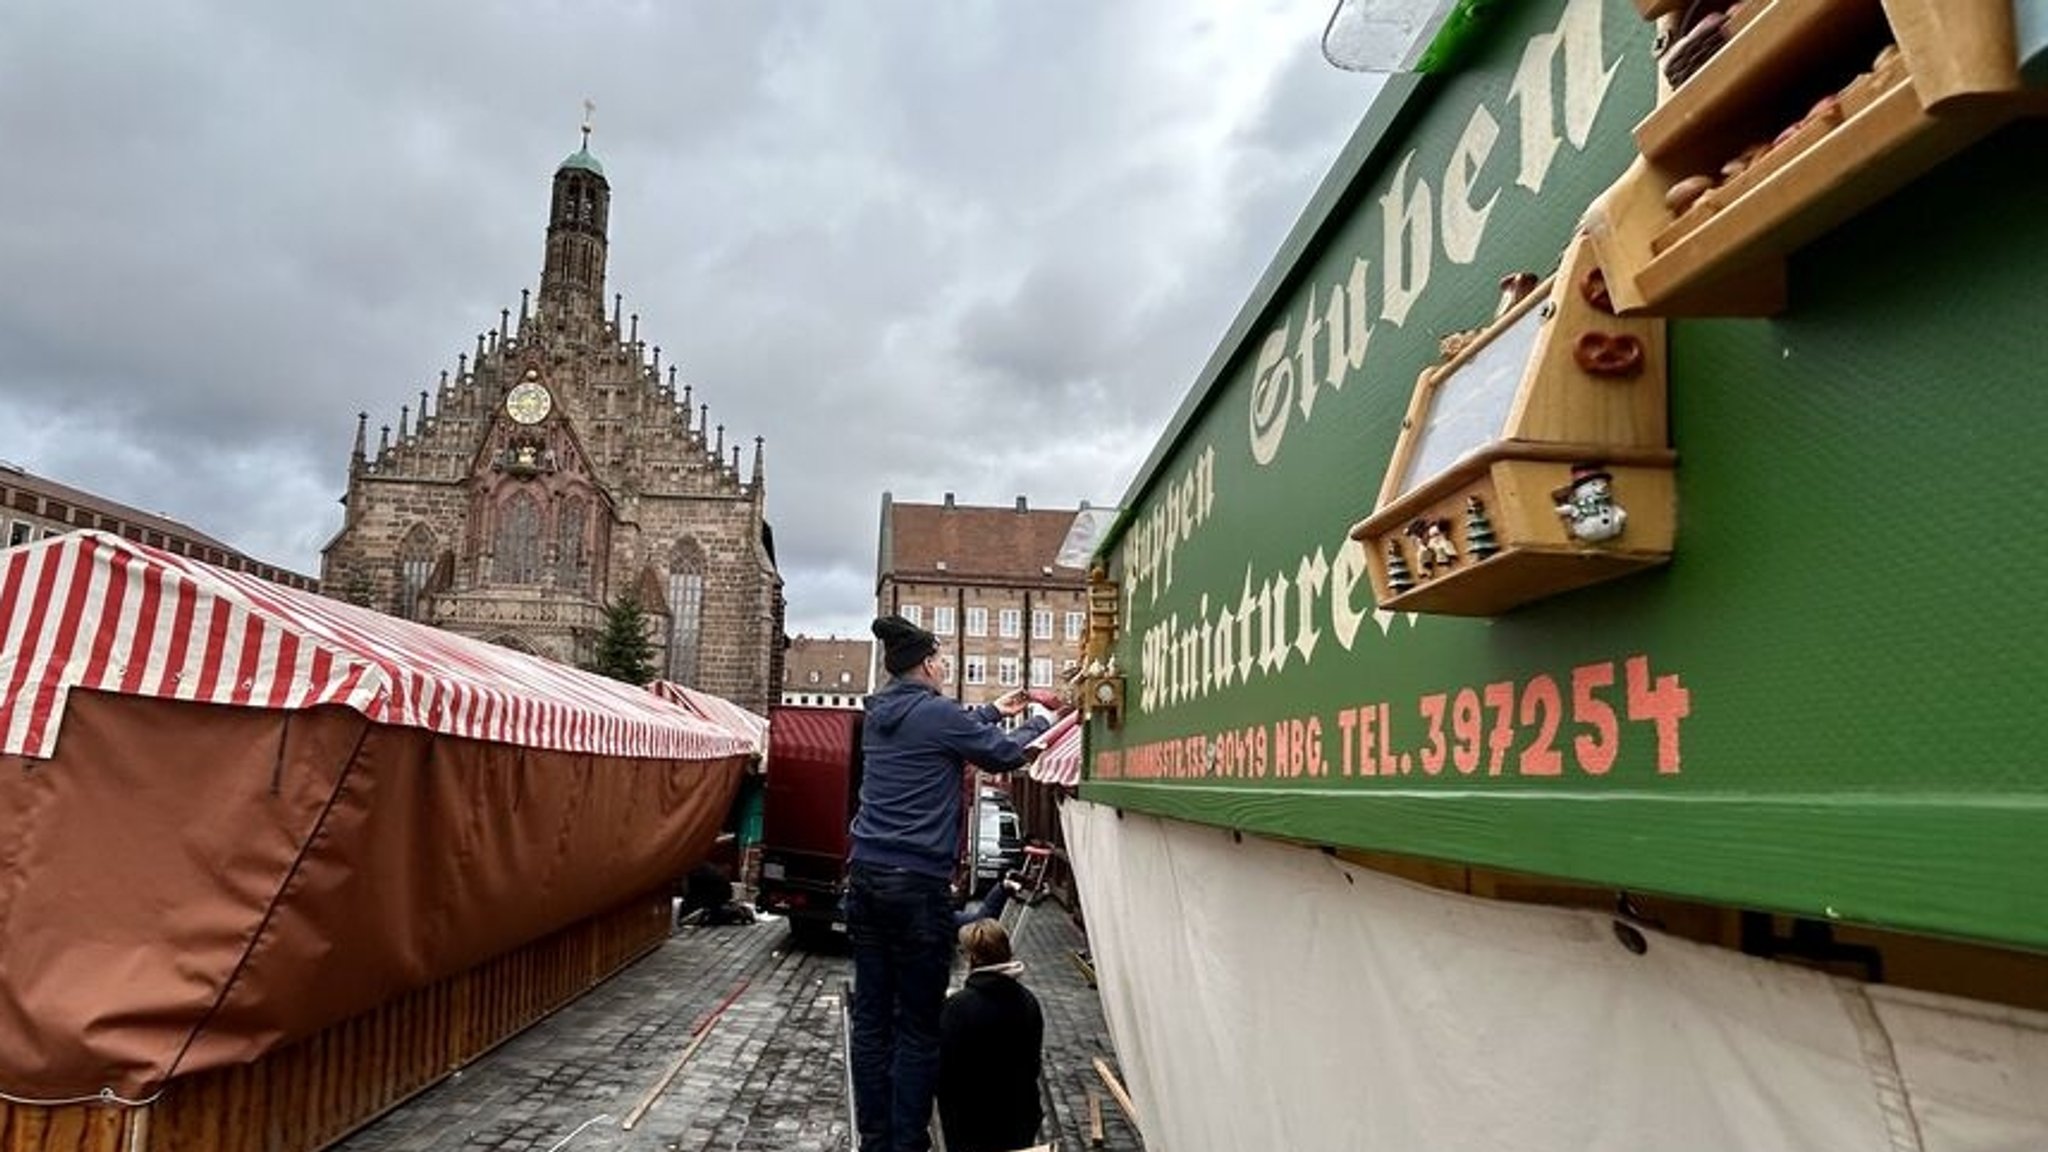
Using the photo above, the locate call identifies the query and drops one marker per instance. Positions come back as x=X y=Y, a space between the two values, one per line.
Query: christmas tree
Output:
x=1399 y=579
x=1479 y=541
x=623 y=651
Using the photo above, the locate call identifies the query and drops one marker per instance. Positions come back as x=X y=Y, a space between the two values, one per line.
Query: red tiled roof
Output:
x=828 y=657
x=1001 y=544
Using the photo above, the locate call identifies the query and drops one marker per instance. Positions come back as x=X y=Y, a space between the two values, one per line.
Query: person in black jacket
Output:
x=990 y=1036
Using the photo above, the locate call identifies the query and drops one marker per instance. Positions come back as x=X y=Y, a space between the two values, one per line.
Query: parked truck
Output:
x=813 y=787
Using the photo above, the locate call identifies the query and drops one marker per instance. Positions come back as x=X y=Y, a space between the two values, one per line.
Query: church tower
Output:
x=556 y=471
x=572 y=276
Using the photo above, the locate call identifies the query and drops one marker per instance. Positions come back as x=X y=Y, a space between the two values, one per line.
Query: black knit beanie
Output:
x=904 y=645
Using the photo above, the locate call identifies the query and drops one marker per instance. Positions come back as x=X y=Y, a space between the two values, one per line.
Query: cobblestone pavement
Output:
x=769 y=1075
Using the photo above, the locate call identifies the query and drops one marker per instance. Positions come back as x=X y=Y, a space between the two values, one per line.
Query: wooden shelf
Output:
x=1868 y=157
x=1504 y=582
x=1952 y=80
x=1782 y=46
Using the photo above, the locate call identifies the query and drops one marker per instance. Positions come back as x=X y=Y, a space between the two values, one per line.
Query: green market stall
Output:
x=1750 y=661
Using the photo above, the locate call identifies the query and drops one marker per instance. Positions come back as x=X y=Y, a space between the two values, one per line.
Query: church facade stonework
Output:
x=557 y=471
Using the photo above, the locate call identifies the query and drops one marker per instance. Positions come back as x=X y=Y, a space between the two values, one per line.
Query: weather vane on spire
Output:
x=589 y=110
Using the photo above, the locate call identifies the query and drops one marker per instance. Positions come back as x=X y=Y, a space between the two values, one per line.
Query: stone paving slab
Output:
x=769 y=1076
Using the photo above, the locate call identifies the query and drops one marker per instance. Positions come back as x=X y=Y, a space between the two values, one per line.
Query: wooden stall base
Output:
x=310 y=1095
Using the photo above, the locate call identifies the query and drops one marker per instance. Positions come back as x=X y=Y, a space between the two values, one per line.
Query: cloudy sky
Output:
x=920 y=247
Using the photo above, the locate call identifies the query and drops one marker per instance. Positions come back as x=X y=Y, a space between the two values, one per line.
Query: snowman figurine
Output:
x=1587 y=507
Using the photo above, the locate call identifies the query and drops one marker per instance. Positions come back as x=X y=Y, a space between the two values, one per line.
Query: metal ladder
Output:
x=1031 y=877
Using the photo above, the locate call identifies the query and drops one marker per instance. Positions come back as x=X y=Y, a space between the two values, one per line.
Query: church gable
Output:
x=558 y=467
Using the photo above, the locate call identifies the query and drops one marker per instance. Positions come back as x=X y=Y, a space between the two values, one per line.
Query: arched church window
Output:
x=415 y=568
x=686 y=611
x=570 y=554
x=517 y=555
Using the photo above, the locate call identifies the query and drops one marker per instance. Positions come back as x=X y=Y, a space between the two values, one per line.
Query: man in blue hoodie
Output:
x=899 y=906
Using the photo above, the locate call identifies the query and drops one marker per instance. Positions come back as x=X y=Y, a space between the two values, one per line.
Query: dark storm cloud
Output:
x=970 y=247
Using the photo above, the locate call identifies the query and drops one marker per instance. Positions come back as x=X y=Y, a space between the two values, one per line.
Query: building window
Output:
x=977 y=621
x=415 y=566
x=570 y=523
x=1006 y=671
x=977 y=670
x=1041 y=671
x=1009 y=623
x=518 y=550
x=19 y=533
x=942 y=620
x=685 y=610
x=913 y=613
x=1076 y=622
x=945 y=669
x=1041 y=624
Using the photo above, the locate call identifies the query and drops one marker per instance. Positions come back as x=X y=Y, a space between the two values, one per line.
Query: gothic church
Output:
x=557 y=471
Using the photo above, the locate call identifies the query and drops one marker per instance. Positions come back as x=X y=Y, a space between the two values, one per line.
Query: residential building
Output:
x=34 y=507
x=986 y=581
x=827 y=671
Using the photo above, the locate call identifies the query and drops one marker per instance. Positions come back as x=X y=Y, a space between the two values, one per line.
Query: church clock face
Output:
x=529 y=402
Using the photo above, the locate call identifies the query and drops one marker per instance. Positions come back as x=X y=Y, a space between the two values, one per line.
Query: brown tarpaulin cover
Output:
x=186 y=886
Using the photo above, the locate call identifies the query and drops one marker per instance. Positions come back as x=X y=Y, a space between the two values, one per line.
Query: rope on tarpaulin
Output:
x=103 y=1096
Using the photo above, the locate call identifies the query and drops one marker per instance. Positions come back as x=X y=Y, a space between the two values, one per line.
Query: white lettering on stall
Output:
x=1416 y=223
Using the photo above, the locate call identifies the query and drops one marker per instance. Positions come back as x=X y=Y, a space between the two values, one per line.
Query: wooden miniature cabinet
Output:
x=1811 y=111
x=1533 y=461
x=1101 y=683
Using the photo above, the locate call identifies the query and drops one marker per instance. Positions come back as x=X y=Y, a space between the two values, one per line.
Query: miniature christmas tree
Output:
x=1399 y=579
x=1479 y=541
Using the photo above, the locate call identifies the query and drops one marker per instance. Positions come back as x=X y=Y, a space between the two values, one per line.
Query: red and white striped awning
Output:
x=90 y=610
x=751 y=726
x=1060 y=762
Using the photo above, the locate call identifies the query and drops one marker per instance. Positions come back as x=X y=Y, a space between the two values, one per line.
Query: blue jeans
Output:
x=902 y=929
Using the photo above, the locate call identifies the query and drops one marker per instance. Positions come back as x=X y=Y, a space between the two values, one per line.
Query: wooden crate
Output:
x=313 y=1093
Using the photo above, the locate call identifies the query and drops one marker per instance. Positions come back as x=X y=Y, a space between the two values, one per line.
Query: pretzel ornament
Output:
x=1593 y=290
x=1609 y=354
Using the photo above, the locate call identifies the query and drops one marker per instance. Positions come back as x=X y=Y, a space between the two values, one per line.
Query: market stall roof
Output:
x=1060 y=762
x=95 y=611
x=750 y=725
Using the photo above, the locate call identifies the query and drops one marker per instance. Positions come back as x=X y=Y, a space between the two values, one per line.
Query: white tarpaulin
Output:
x=1270 y=997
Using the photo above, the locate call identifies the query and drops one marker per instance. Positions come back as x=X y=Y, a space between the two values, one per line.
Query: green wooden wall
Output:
x=1829 y=704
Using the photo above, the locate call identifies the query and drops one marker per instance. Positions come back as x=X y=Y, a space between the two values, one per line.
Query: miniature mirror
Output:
x=1469 y=403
